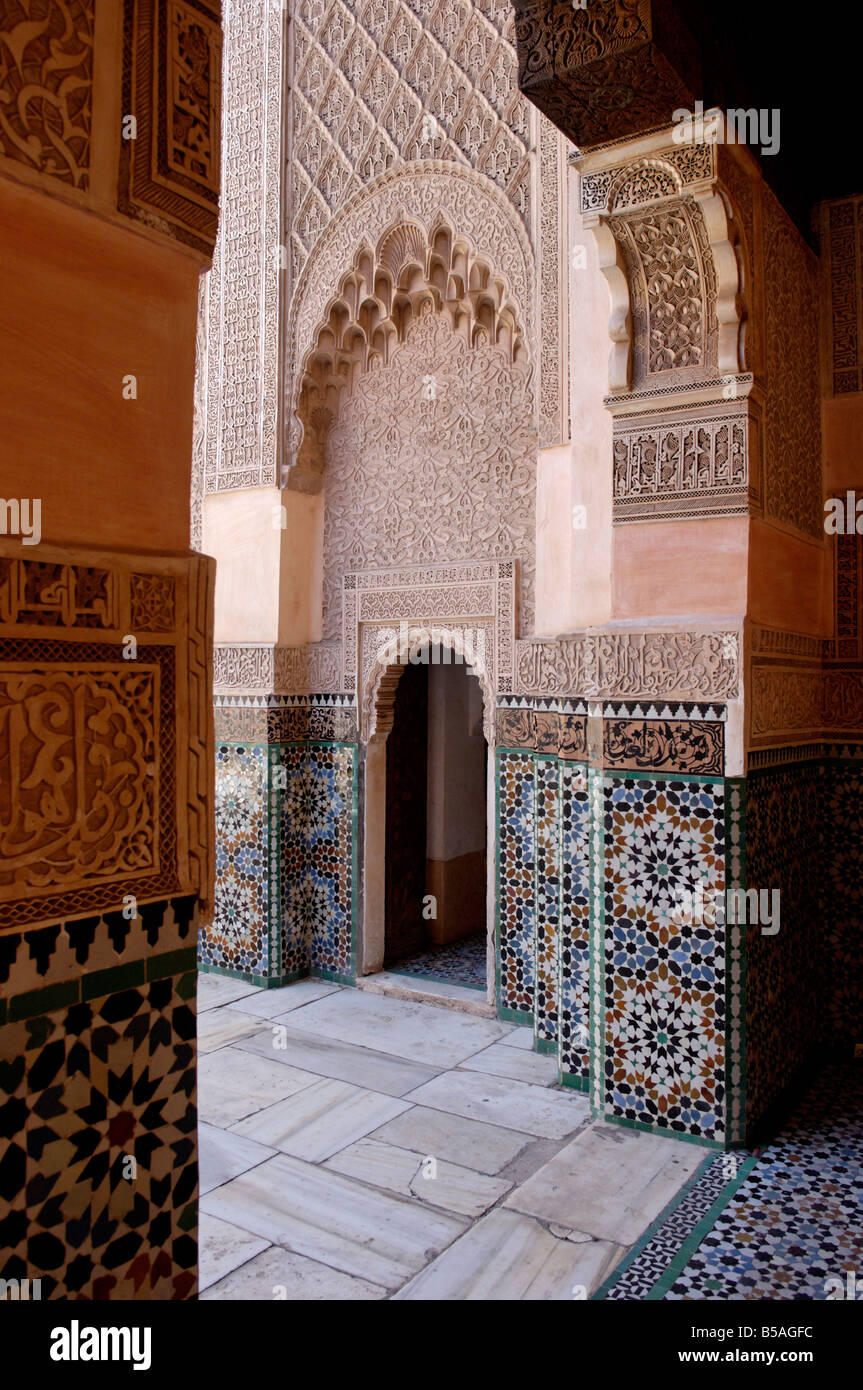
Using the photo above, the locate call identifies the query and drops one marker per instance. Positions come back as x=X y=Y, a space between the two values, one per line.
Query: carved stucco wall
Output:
x=433 y=459
x=320 y=105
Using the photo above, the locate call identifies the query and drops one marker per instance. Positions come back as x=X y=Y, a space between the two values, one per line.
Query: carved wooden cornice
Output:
x=609 y=70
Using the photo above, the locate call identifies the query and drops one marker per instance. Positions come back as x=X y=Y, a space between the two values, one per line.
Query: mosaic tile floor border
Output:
x=461 y=963
x=787 y=1226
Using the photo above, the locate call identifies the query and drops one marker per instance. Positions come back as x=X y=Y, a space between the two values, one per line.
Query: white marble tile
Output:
x=519 y=1037
x=218 y=1027
x=437 y=1036
x=340 y=1222
x=510 y=1257
x=318 y=1121
x=234 y=1084
x=470 y=1143
x=342 y=1061
x=276 y=1003
x=609 y=1182
x=537 y=1068
x=279 y=1274
x=223 y=1155
x=214 y=990
x=408 y=1174
x=548 y=1114
x=222 y=1248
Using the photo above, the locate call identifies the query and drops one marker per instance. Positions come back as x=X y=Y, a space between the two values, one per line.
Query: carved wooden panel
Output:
x=169 y=174
x=105 y=732
x=842 y=231
x=793 y=409
x=46 y=87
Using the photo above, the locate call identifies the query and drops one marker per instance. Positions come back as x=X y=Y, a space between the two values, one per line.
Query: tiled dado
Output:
x=286 y=840
x=97 y=1067
x=644 y=1012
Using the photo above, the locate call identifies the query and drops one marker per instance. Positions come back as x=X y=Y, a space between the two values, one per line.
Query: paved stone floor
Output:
x=358 y=1146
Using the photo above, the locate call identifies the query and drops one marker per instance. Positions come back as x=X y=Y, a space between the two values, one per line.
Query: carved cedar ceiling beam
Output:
x=610 y=70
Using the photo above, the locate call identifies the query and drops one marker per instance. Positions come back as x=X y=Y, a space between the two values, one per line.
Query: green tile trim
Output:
x=547 y=1046
x=171 y=963
x=205 y=968
x=667 y=1211
x=333 y=976
x=697 y=1235
x=575 y=1082
x=109 y=981
x=97 y=984
x=515 y=1016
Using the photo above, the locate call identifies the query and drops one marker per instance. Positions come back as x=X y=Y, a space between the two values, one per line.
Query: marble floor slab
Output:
x=411 y=1174
x=513 y=1104
x=375 y=1071
x=218 y=1027
x=281 y=1274
x=215 y=990
x=522 y=1038
x=424 y=1033
x=537 y=1068
x=230 y=1087
x=223 y=1248
x=574 y=1187
x=318 y=1121
x=333 y=1219
x=280 y=1003
x=506 y=1256
x=470 y=1143
x=223 y=1155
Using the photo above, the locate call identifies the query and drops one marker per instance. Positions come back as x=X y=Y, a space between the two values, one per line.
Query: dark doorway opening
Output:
x=436 y=824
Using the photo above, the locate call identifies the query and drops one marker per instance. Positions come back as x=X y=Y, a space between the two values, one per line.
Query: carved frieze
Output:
x=105 y=750
x=687 y=665
x=685 y=464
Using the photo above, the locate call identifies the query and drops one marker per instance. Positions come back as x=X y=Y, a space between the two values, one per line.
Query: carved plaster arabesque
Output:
x=376 y=83
x=426 y=194
x=667 y=247
x=238 y=388
x=384 y=664
x=433 y=459
x=380 y=294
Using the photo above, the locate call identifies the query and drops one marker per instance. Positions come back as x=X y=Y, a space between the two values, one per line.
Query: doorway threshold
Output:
x=422 y=989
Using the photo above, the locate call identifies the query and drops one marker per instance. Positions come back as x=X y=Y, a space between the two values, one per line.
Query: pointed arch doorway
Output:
x=427 y=905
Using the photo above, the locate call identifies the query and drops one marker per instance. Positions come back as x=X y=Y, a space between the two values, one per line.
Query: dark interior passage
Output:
x=436 y=824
